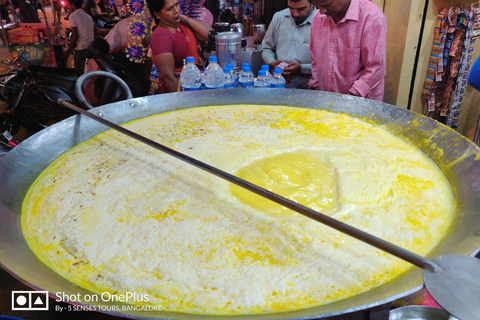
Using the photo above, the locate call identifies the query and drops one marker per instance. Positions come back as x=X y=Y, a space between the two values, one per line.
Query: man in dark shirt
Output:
x=25 y=12
x=93 y=10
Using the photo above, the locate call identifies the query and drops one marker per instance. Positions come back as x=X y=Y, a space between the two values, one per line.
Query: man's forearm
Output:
x=268 y=55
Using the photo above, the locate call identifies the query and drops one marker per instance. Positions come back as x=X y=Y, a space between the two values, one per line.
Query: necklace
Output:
x=172 y=29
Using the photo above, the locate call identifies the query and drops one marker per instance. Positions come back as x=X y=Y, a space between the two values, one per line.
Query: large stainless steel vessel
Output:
x=455 y=155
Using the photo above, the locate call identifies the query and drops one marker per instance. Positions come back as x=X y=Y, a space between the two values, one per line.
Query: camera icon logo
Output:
x=29 y=300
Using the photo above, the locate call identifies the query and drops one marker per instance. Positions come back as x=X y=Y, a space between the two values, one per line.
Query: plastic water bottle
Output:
x=213 y=74
x=262 y=80
x=190 y=77
x=245 y=78
x=278 y=81
x=229 y=80
x=245 y=64
x=269 y=75
x=230 y=66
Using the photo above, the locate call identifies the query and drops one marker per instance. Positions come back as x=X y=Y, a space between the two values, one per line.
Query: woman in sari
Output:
x=173 y=40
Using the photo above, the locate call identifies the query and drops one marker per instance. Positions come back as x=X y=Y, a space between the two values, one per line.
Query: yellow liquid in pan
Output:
x=113 y=215
x=302 y=176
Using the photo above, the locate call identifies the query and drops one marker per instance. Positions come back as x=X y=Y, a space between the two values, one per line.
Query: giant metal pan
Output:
x=456 y=156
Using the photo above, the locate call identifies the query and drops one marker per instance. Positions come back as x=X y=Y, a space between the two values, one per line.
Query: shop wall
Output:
x=404 y=26
x=379 y=3
x=405 y=18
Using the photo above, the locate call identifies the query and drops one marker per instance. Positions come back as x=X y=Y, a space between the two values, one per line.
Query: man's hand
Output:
x=275 y=64
x=293 y=67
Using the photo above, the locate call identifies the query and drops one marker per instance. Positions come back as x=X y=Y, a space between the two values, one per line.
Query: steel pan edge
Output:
x=20 y=167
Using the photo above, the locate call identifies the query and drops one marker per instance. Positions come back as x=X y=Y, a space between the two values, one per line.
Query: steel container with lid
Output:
x=238 y=27
x=258 y=34
x=228 y=49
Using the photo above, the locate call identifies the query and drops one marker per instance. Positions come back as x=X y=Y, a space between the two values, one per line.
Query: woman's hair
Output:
x=155 y=6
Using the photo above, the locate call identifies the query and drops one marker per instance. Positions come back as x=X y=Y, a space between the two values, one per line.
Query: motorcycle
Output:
x=31 y=91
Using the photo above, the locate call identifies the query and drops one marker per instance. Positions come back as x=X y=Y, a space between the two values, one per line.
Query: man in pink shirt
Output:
x=348 y=48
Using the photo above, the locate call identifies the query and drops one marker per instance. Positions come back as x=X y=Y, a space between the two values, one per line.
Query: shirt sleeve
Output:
x=160 y=42
x=269 y=42
x=73 y=21
x=374 y=57
x=313 y=83
x=306 y=68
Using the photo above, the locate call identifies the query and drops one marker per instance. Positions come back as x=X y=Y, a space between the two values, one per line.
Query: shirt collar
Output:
x=353 y=11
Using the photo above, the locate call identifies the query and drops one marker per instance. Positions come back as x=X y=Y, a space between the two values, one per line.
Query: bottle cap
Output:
x=229 y=65
x=226 y=70
x=246 y=68
x=212 y=59
x=265 y=67
x=277 y=71
x=245 y=64
x=262 y=73
x=190 y=60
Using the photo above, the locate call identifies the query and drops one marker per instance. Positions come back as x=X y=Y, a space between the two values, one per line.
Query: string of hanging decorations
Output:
x=138 y=29
x=456 y=31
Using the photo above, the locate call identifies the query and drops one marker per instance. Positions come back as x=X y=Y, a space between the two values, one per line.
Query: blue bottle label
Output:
x=191 y=89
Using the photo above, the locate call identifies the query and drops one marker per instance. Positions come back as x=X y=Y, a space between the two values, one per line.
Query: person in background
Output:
x=110 y=4
x=348 y=48
x=98 y=17
x=4 y=11
x=83 y=33
x=25 y=12
x=173 y=40
x=248 y=16
x=474 y=75
x=287 y=40
x=57 y=8
x=34 y=5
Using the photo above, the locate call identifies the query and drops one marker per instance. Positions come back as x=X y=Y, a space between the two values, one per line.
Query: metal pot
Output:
x=258 y=35
x=418 y=313
x=229 y=49
x=238 y=27
x=455 y=155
